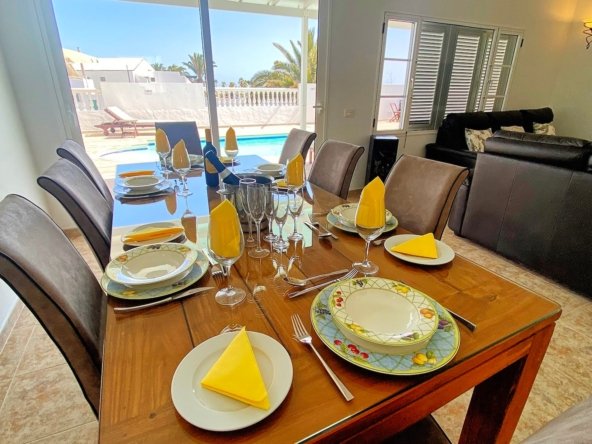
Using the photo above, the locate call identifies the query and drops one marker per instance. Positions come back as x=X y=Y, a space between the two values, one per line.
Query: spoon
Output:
x=302 y=282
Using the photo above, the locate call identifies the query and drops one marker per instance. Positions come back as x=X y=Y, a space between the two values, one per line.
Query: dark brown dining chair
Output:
x=298 y=141
x=334 y=166
x=75 y=153
x=420 y=192
x=52 y=279
x=85 y=204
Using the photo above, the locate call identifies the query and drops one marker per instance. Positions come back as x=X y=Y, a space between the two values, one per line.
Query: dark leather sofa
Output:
x=451 y=146
x=530 y=200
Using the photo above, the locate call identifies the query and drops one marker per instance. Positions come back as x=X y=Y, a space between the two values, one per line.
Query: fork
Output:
x=303 y=336
x=350 y=274
x=217 y=272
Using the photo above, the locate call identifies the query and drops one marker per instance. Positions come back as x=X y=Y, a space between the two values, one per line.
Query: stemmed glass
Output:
x=228 y=295
x=256 y=195
x=280 y=215
x=232 y=153
x=182 y=165
x=163 y=150
x=295 y=202
x=269 y=210
x=242 y=198
x=368 y=267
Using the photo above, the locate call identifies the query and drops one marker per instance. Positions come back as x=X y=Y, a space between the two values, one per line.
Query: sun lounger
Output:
x=124 y=122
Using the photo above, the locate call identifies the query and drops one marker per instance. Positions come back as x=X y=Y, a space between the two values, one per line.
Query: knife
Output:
x=162 y=301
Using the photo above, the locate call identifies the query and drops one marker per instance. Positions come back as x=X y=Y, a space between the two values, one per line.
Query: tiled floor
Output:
x=40 y=400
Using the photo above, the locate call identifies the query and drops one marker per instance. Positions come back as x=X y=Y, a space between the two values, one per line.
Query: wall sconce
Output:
x=588 y=32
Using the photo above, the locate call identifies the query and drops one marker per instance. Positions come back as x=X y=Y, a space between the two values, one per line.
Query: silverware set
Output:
x=321 y=231
x=349 y=275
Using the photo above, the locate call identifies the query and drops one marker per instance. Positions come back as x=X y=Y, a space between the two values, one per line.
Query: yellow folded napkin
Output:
x=231 y=144
x=148 y=234
x=225 y=230
x=137 y=173
x=162 y=142
x=371 y=211
x=180 y=156
x=237 y=375
x=295 y=171
x=423 y=246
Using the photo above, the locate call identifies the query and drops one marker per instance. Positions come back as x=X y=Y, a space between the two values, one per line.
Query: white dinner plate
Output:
x=125 y=192
x=142 y=183
x=346 y=214
x=169 y=238
x=209 y=410
x=445 y=253
x=334 y=220
x=140 y=293
x=196 y=159
x=151 y=264
x=271 y=169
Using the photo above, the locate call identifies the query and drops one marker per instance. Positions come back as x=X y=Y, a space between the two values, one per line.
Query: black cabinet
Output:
x=382 y=155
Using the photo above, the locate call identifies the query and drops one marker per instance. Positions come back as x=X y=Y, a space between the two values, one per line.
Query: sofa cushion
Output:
x=543 y=128
x=514 y=128
x=565 y=152
x=452 y=131
x=505 y=118
x=540 y=115
x=476 y=138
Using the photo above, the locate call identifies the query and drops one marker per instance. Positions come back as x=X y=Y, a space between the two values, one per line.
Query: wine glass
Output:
x=231 y=152
x=163 y=149
x=295 y=202
x=280 y=215
x=256 y=195
x=242 y=199
x=269 y=210
x=182 y=165
x=228 y=295
x=368 y=267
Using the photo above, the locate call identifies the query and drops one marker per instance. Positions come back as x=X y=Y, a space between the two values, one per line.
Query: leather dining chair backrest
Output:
x=298 y=141
x=420 y=193
x=334 y=166
x=50 y=276
x=187 y=131
x=75 y=153
x=74 y=190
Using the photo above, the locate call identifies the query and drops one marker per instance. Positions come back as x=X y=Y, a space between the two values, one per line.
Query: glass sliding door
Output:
x=131 y=64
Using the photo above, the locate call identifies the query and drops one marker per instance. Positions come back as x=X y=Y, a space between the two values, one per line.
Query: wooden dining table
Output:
x=142 y=349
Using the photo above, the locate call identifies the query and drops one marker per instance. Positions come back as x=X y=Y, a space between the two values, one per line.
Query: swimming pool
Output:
x=267 y=146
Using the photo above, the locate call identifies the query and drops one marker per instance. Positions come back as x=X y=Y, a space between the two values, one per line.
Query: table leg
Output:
x=497 y=403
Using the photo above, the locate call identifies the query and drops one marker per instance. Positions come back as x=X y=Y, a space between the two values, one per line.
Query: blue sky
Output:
x=242 y=43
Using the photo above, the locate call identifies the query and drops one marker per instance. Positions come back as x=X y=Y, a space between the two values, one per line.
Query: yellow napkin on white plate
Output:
x=137 y=173
x=180 y=156
x=149 y=234
x=237 y=375
x=225 y=230
x=295 y=171
x=162 y=142
x=422 y=246
x=371 y=209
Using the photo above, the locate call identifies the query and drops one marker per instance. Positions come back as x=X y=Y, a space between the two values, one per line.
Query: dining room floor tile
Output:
x=34 y=377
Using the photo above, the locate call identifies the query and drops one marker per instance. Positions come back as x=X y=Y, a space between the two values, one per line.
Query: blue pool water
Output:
x=267 y=146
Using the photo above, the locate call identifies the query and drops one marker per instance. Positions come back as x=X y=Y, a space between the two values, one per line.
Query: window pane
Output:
x=390 y=113
x=394 y=76
x=427 y=67
x=463 y=69
x=398 y=39
x=500 y=72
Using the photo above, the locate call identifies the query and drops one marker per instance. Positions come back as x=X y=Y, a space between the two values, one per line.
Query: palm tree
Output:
x=177 y=68
x=286 y=74
x=196 y=65
x=158 y=66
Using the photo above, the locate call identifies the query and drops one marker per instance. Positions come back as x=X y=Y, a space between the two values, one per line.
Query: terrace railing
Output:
x=248 y=97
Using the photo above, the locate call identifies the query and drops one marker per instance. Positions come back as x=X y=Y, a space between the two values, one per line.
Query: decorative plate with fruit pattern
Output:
x=439 y=351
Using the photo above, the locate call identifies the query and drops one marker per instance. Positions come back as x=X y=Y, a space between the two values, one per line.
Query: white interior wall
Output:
x=572 y=93
x=17 y=168
x=355 y=51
